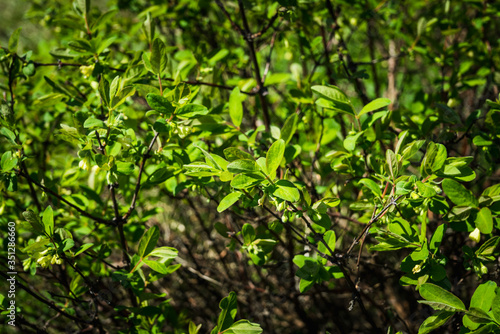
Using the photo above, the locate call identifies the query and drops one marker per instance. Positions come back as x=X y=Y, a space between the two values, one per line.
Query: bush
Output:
x=247 y=167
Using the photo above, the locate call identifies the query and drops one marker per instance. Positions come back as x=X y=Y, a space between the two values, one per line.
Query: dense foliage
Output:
x=251 y=166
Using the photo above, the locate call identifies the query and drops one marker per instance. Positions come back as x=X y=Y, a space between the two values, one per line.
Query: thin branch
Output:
x=138 y=184
x=46 y=302
x=268 y=62
x=234 y=24
x=59 y=197
x=266 y=28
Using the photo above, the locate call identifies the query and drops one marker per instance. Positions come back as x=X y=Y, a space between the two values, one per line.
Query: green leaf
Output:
x=289 y=128
x=436 y=238
x=229 y=200
x=440 y=299
x=436 y=320
x=8 y=162
x=244 y=327
x=9 y=135
x=48 y=221
x=372 y=185
x=323 y=204
x=228 y=305
x=434 y=159
x=350 y=141
x=34 y=221
x=93 y=123
x=495 y=308
x=330 y=240
x=458 y=194
x=248 y=233
x=103 y=91
x=191 y=110
x=488 y=248
x=160 y=104
x=275 y=155
x=149 y=27
x=83 y=248
x=392 y=164
x=158 y=57
x=482 y=140
x=286 y=190
x=333 y=94
x=374 y=105
x=243 y=181
x=235 y=107
x=148 y=241
x=477 y=316
x=125 y=168
x=193 y=329
x=233 y=153
x=425 y=190
x=484 y=296
x=484 y=221
x=156 y=266
x=166 y=253
x=13 y=40
x=243 y=166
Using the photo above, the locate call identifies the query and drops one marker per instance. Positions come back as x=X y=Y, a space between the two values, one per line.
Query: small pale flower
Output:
x=475 y=235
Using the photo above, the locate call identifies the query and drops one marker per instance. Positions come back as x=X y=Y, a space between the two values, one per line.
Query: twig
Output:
x=46 y=302
x=59 y=197
x=138 y=184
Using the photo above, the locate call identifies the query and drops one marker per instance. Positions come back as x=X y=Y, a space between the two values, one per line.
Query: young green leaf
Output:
x=330 y=240
x=148 y=241
x=434 y=159
x=13 y=40
x=244 y=327
x=229 y=200
x=235 y=107
x=34 y=221
x=191 y=110
x=158 y=56
x=484 y=221
x=243 y=166
x=339 y=100
x=228 y=305
x=243 y=181
x=458 y=194
x=440 y=299
x=166 y=253
x=8 y=161
x=350 y=141
x=48 y=221
x=286 y=190
x=248 y=233
x=160 y=104
x=233 y=153
x=374 y=105
x=289 y=128
x=372 y=185
x=275 y=155
x=434 y=321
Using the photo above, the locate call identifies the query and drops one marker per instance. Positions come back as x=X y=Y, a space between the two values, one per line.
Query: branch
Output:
x=46 y=302
x=59 y=197
x=266 y=28
x=138 y=184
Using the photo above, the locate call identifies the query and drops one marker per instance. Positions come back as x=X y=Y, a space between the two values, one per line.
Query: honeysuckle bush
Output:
x=247 y=167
